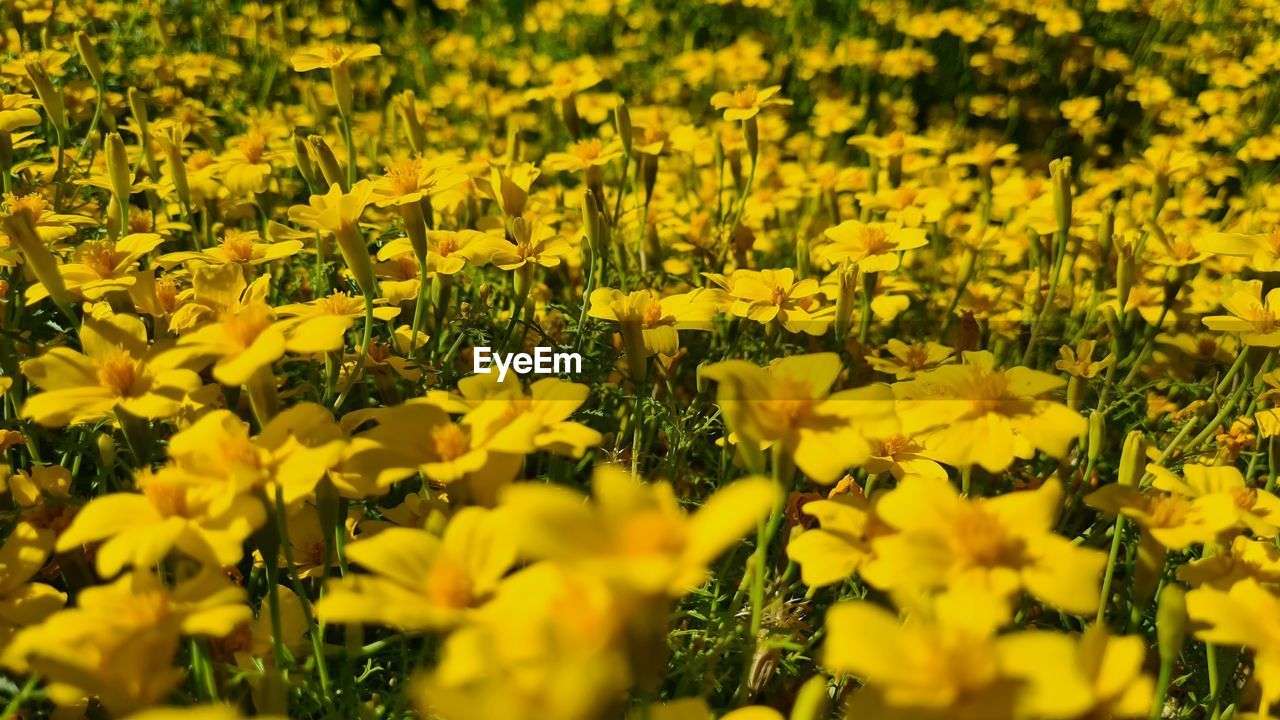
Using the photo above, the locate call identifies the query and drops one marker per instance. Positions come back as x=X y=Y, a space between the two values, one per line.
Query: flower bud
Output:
x=848 y=280
x=1133 y=459
x=1060 y=172
x=1125 y=272
x=591 y=221
x=407 y=108
x=50 y=97
x=89 y=56
x=303 y=162
x=106 y=450
x=1097 y=434
x=22 y=232
x=138 y=106
x=171 y=140
x=649 y=169
x=1171 y=622
x=118 y=171
x=569 y=109
x=622 y=120
x=323 y=156
x=1106 y=228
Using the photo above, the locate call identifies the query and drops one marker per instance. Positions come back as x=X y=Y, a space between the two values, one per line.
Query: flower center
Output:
x=404 y=176
x=253 y=147
x=169 y=500
x=981 y=541
x=245 y=326
x=651 y=533
x=339 y=303
x=448 y=585
x=1168 y=510
x=449 y=442
x=100 y=257
x=120 y=373
x=238 y=247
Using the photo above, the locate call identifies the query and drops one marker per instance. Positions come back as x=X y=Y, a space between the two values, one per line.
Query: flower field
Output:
x=640 y=359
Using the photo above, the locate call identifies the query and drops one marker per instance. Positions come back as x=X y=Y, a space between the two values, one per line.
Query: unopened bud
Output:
x=302 y=159
x=848 y=289
x=1133 y=459
x=1060 y=172
x=407 y=107
x=591 y=221
x=118 y=171
x=1171 y=622
x=89 y=56
x=1097 y=434
x=50 y=97
x=323 y=156
x=106 y=450
x=622 y=120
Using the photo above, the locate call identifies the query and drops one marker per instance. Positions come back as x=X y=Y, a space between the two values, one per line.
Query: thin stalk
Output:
x=1105 y=598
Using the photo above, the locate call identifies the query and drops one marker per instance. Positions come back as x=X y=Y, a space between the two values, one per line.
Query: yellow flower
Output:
x=118 y=370
x=583 y=156
x=23 y=602
x=872 y=247
x=320 y=326
x=906 y=360
x=141 y=529
x=1079 y=362
x=830 y=554
x=946 y=661
x=634 y=535
x=338 y=213
x=418 y=581
x=242 y=247
x=1262 y=249
x=101 y=267
x=243 y=341
x=1256 y=510
x=894 y=145
x=16 y=112
x=533 y=243
x=1245 y=558
x=119 y=642
x=789 y=403
x=976 y=413
x=329 y=56
x=1174 y=521
x=650 y=323
x=551 y=644
x=1246 y=615
x=996 y=545
x=220 y=457
x=746 y=103
x=775 y=295
x=414 y=179
x=1257 y=320
x=549 y=402
x=419 y=436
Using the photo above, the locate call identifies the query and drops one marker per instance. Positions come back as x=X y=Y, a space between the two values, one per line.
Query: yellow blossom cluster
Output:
x=924 y=360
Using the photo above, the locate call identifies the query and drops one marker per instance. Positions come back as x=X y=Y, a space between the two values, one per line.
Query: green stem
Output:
x=313 y=630
x=1105 y=598
x=1162 y=689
